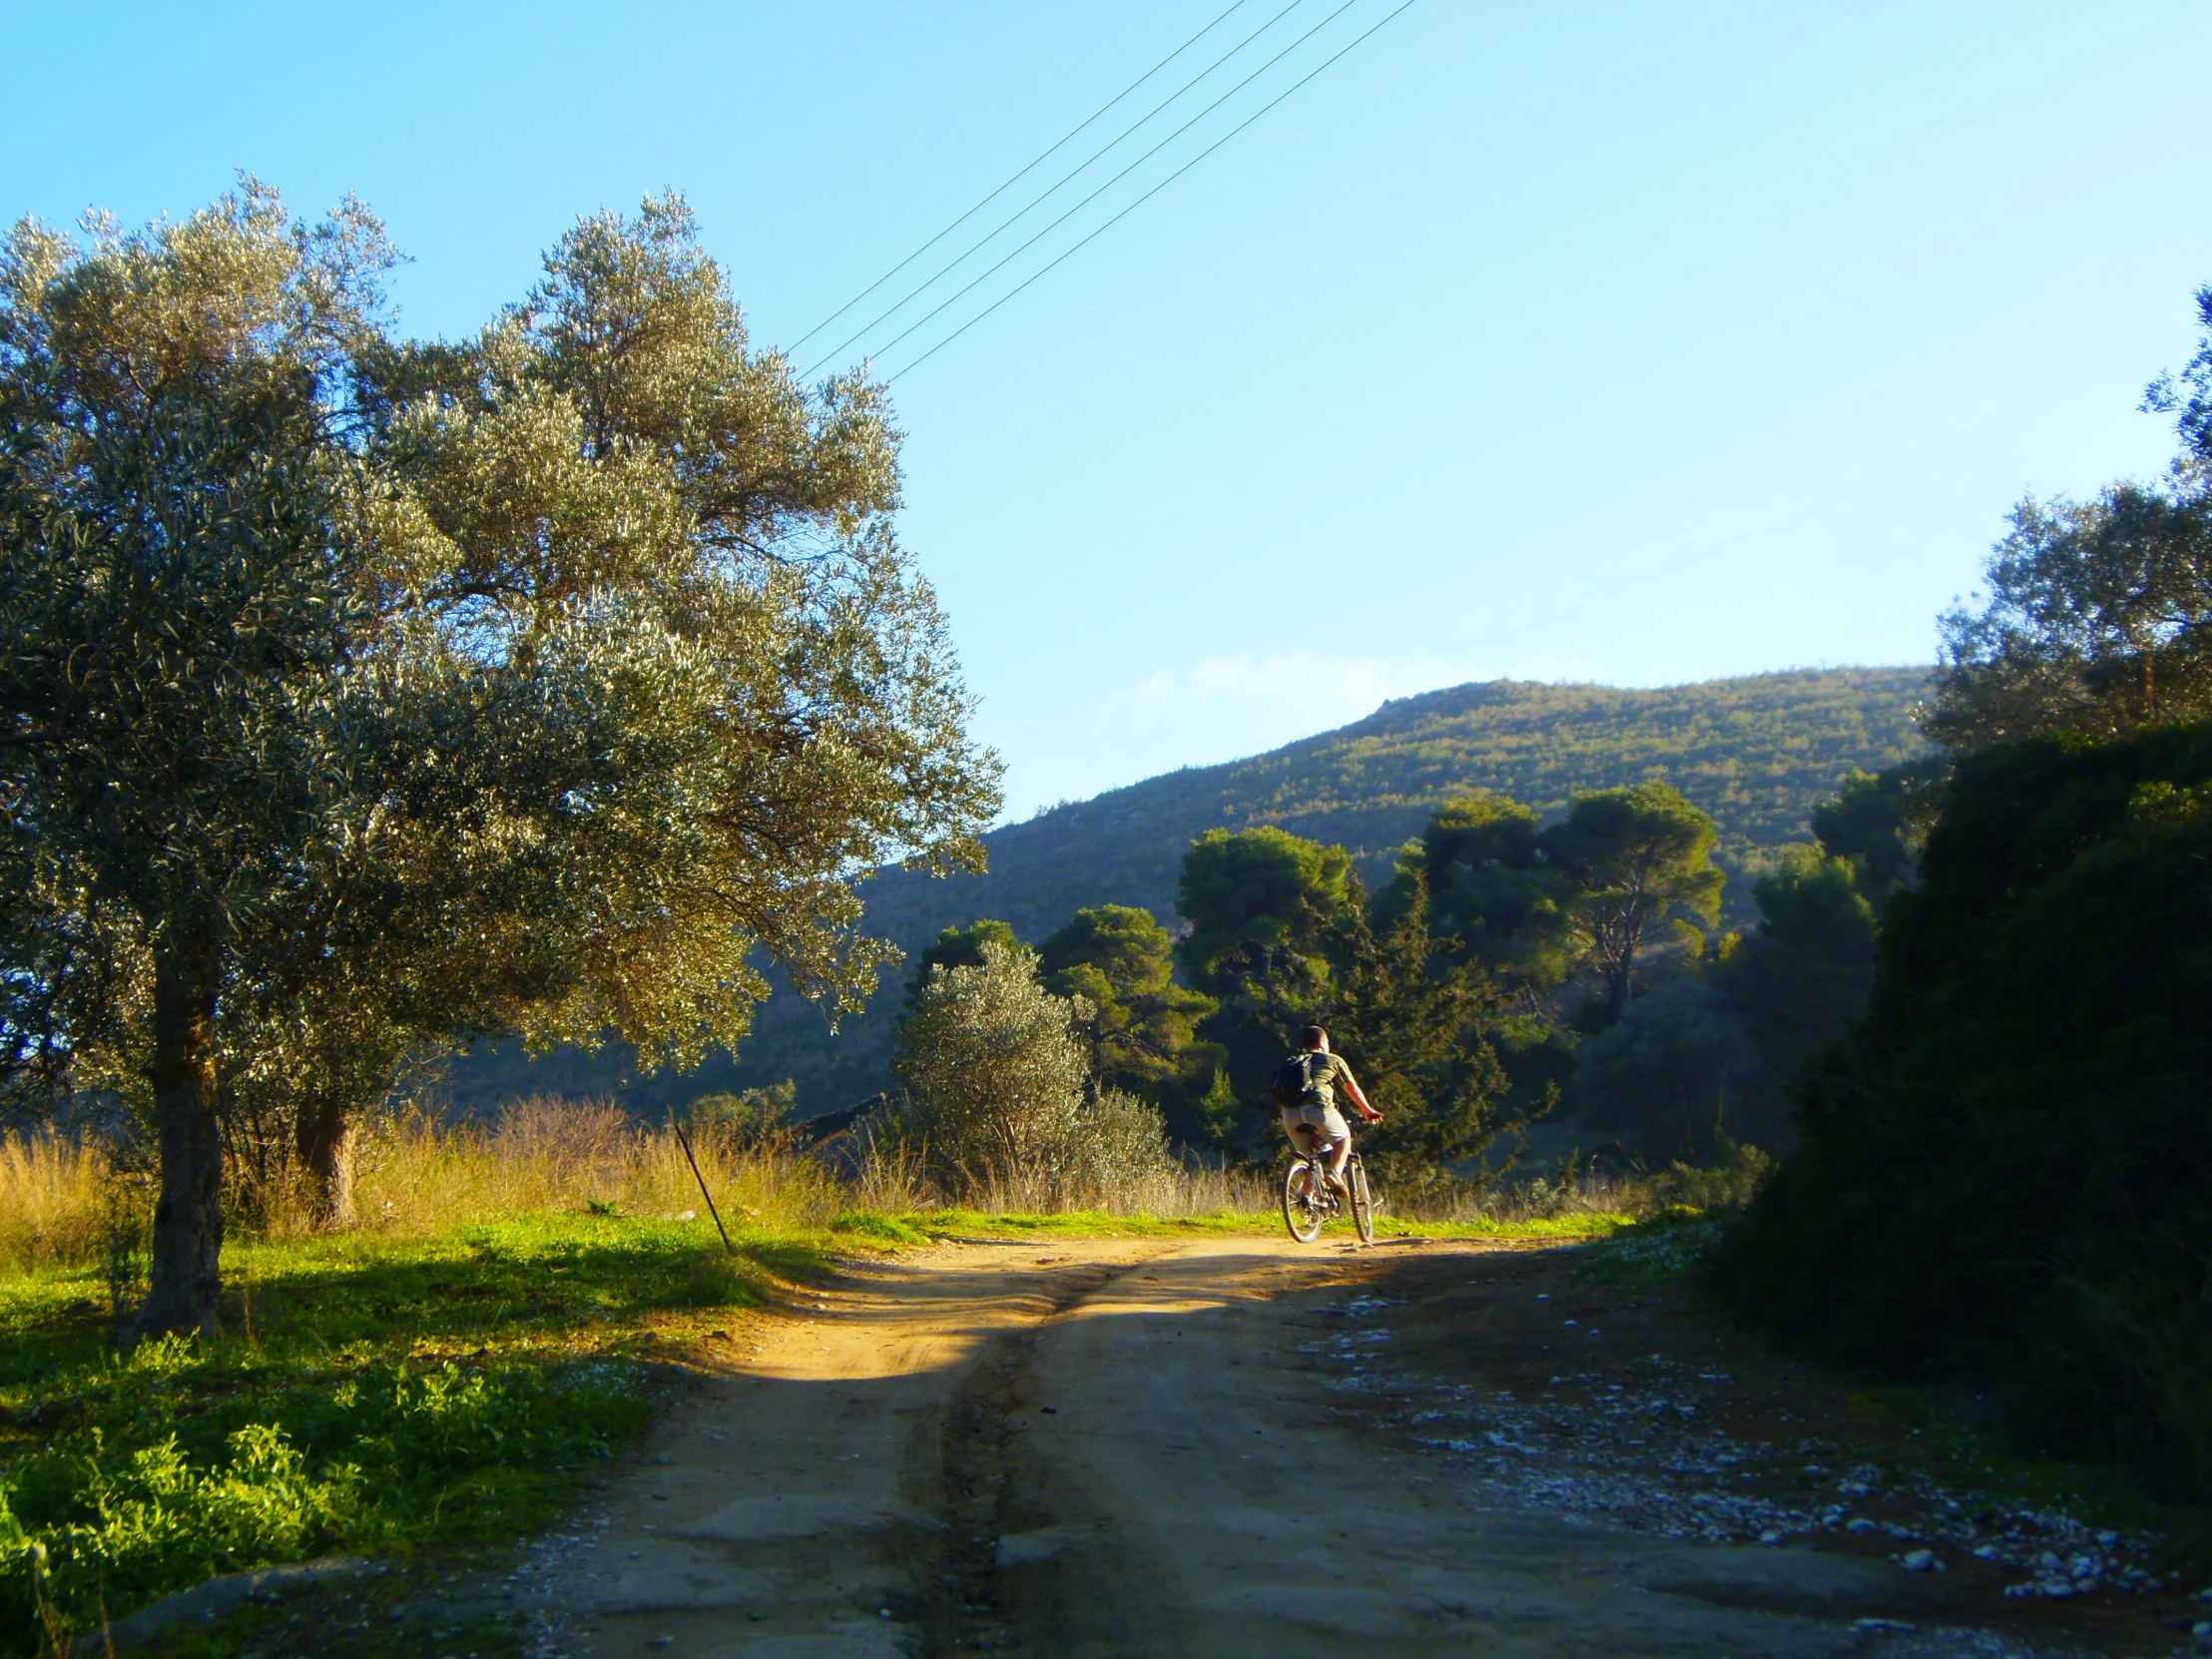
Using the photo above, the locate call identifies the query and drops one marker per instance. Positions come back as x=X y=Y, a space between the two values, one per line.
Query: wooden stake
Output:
x=683 y=1140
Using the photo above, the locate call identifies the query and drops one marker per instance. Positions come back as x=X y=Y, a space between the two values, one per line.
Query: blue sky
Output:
x=1632 y=343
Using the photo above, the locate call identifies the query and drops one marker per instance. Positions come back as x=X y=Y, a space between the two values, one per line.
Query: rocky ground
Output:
x=1545 y=1382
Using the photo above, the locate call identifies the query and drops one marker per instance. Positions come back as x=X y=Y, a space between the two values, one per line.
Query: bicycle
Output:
x=1310 y=1203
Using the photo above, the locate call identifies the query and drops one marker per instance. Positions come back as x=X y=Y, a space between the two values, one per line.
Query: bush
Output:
x=1802 y=975
x=995 y=1080
x=2007 y=1165
x=1121 y=1155
x=994 y=1072
x=1676 y=1079
x=750 y=1118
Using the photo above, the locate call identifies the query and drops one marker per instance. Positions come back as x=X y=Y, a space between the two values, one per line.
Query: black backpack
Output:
x=1293 y=1081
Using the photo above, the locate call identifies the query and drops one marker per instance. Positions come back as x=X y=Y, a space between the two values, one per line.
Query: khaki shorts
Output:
x=1301 y=1122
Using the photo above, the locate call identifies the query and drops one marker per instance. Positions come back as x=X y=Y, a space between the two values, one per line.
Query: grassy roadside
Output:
x=925 y=1226
x=370 y=1397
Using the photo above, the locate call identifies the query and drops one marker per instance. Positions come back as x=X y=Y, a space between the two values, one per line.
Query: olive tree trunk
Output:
x=187 y=1273
x=325 y=1144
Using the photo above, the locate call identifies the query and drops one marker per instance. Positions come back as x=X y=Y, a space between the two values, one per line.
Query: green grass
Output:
x=1091 y=1224
x=376 y=1396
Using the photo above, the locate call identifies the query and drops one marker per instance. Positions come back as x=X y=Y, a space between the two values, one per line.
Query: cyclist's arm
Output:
x=1359 y=1096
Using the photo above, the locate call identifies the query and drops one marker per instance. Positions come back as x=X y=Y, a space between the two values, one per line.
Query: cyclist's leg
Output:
x=1340 y=1143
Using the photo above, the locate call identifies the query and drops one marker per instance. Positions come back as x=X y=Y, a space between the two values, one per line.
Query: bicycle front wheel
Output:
x=1301 y=1210
x=1362 y=1200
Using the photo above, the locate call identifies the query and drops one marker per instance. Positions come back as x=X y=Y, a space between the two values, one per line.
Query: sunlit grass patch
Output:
x=376 y=1395
x=1070 y=1224
x=879 y=1228
x=1584 y=1224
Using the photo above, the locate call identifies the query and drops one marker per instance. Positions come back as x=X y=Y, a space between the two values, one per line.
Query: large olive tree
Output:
x=184 y=596
x=364 y=696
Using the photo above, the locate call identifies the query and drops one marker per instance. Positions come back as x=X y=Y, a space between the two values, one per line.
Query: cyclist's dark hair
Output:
x=1312 y=1037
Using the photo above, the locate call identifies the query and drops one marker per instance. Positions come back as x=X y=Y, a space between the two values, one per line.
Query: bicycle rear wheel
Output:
x=1302 y=1211
x=1362 y=1200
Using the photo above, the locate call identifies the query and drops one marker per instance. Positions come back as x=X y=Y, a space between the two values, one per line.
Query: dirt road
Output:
x=1170 y=1448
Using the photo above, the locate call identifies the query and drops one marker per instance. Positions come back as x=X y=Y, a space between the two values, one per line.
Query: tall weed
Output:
x=54 y=1202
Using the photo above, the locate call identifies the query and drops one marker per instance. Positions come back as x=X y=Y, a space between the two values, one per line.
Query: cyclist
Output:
x=1312 y=1110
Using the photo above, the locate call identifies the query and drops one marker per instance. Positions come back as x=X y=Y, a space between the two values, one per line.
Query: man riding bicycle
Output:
x=1309 y=1100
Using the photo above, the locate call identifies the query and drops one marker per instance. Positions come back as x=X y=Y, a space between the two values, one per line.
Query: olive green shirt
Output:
x=1325 y=1072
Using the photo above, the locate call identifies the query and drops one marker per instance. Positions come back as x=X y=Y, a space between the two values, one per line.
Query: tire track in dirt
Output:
x=989 y=1488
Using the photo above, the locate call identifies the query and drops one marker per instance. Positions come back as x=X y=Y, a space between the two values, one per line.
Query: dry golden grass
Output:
x=416 y=1176
x=54 y=1198
x=1166 y=1194
x=61 y=1201
x=894 y=1177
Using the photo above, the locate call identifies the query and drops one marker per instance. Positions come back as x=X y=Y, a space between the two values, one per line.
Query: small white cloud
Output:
x=1242 y=703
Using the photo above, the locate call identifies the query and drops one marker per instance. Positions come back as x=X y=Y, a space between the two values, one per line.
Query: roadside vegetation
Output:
x=436 y=1375
x=2004 y=1172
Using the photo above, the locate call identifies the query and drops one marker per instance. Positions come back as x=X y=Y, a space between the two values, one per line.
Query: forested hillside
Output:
x=1756 y=753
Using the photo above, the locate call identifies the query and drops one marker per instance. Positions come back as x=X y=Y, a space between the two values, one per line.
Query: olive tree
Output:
x=993 y=1064
x=186 y=590
x=995 y=1069
x=362 y=697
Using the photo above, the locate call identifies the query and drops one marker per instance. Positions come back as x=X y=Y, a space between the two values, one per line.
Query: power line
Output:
x=1015 y=218
x=1140 y=201
x=1115 y=179
x=1016 y=179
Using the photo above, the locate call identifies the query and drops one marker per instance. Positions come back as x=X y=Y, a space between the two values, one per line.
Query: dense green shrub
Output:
x=2006 y=1166
x=1801 y=976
